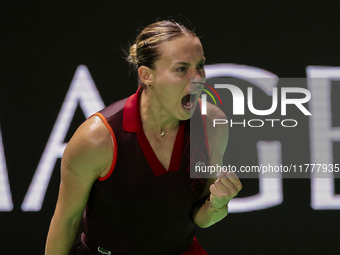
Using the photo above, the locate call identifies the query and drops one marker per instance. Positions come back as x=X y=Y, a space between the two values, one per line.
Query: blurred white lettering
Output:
x=82 y=91
x=6 y=203
x=270 y=184
x=322 y=136
x=268 y=152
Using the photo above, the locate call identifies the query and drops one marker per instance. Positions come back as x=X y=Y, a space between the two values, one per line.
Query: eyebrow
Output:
x=187 y=64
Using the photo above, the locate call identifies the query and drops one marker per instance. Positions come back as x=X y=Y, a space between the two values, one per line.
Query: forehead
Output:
x=182 y=49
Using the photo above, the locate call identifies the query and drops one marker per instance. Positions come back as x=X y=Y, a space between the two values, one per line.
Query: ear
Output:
x=145 y=74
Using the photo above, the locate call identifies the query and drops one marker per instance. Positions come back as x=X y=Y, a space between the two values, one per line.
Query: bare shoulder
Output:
x=92 y=132
x=87 y=155
x=90 y=148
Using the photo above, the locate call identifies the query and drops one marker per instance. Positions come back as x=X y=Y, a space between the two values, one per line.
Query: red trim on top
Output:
x=152 y=159
x=114 y=160
x=194 y=249
x=132 y=123
x=131 y=114
x=176 y=155
x=150 y=155
x=205 y=129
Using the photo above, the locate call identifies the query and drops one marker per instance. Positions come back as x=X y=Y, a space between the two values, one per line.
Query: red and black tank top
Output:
x=139 y=207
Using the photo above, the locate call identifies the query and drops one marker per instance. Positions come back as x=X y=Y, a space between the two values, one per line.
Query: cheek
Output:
x=171 y=88
x=166 y=82
x=171 y=96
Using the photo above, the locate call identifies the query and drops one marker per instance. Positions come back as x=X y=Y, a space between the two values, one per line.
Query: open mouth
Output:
x=188 y=101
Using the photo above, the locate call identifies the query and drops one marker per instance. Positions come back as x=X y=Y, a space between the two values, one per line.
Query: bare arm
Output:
x=221 y=190
x=87 y=156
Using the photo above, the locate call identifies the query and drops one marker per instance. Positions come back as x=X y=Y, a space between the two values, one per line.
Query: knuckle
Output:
x=233 y=192
x=232 y=175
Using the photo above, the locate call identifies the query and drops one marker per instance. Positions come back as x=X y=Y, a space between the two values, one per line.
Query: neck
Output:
x=154 y=116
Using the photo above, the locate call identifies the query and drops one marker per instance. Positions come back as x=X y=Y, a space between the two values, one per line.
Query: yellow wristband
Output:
x=216 y=209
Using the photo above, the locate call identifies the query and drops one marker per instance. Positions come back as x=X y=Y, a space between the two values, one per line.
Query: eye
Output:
x=182 y=69
x=201 y=66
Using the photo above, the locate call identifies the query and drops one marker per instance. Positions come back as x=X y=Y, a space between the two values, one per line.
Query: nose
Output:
x=196 y=82
x=197 y=75
x=196 y=78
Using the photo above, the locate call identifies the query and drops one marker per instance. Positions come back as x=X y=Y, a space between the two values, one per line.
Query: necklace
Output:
x=163 y=133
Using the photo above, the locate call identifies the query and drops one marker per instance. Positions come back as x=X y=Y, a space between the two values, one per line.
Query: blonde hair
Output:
x=145 y=50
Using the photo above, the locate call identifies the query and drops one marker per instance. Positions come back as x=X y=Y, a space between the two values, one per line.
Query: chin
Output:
x=186 y=115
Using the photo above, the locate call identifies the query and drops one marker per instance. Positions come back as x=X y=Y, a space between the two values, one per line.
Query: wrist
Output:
x=216 y=209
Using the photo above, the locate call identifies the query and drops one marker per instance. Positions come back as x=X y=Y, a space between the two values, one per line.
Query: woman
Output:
x=128 y=165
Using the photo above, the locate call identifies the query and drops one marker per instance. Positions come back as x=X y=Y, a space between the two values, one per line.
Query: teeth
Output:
x=188 y=107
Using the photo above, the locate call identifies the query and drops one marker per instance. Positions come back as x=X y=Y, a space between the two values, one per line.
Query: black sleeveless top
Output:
x=139 y=207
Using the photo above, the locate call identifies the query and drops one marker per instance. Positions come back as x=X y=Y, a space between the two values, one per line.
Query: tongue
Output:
x=186 y=101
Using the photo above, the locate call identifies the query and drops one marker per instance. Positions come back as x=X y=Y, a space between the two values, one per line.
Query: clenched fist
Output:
x=224 y=189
